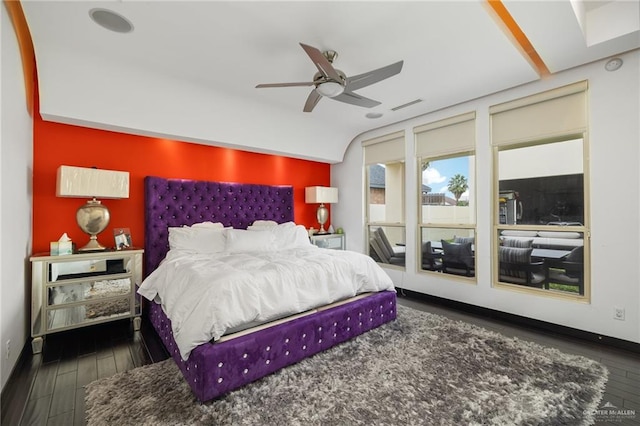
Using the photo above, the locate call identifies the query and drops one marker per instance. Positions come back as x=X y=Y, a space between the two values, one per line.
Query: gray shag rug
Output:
x=422 y=369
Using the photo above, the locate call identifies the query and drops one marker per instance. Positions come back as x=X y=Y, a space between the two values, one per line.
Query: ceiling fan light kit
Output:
x=330 y=89
x=332 y=83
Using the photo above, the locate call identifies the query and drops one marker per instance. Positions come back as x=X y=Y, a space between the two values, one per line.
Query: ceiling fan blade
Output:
x=322 y=63
x=355 y=99
x=368 y=78
x=312 y=101
x=260 y=86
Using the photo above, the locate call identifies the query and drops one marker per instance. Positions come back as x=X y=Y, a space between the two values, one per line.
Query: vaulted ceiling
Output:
x=188 y=70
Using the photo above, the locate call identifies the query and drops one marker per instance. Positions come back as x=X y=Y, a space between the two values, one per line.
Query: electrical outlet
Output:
x=8 y=351
x=618 y=313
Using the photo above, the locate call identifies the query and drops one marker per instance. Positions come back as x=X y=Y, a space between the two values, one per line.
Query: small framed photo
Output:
x=122 y=238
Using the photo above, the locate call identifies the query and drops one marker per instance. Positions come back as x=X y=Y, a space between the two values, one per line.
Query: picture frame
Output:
x=122 y=237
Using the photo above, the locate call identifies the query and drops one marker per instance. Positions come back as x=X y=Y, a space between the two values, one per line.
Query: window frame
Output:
x=426 y=225
x=555 y=115
x=584 y=229
x=450 y=137
x=393 y=140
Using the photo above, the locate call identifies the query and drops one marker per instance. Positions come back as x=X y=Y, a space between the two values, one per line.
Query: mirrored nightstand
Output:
x=329 y=241
x=78 y=290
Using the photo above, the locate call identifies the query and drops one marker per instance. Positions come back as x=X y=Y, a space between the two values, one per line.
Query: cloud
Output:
x=432 y=176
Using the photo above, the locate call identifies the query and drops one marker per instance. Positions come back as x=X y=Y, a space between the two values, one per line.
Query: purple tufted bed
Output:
x=213 y=369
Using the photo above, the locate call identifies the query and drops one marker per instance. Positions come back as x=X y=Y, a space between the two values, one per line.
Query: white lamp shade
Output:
x=320 y=194
x=84 y=182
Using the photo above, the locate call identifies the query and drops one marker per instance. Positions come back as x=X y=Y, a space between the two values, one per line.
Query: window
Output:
x=541 y=209
x=542 y=184
x=446 y=162
x=385 y=175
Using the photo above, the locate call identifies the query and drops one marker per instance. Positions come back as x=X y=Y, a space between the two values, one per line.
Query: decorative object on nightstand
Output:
x=329 y=241
x=62 y=247
x=122 y=237
x=83 y=289
x=81 y=182
x=322 y=195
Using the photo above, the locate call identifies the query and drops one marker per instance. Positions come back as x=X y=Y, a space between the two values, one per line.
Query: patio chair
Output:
x=431 y=260
x=572 y=270
x=516 y=267
x=458 y=259
x=381 y=255
x=383 y=241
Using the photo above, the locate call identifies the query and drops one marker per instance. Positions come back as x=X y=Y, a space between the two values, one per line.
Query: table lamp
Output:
x=322 y=195
x=82 y=182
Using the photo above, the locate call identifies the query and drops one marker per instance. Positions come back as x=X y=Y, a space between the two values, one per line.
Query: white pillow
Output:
x=258 y=228
x=559 y=234
x=258 y=223
x=197 y=240
x=288 y=236
x=262 y=225
x=213 y=225
x=515 y=233
x=242 y=240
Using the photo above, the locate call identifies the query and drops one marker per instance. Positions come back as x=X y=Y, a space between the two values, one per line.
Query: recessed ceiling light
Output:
x=111 y=20
x=613 y=64
x=373 y=115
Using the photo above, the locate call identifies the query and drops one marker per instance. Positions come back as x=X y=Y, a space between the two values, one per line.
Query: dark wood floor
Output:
x=47 y=389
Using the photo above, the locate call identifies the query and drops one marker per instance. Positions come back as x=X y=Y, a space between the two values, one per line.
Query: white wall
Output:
x=16 y=162
x=560 y=158
x=448 y=214
x=614 y=105
x=196 y=113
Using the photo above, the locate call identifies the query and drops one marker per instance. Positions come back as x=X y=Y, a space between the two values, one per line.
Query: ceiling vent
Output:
x=406 y=105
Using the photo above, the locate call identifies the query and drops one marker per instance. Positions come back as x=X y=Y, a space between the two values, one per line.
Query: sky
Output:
x=439 y=173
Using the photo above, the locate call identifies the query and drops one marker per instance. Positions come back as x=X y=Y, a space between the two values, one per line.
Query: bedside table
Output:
x=78 y=290
x=329 y=241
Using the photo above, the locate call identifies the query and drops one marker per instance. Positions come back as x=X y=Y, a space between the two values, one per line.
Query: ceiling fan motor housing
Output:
x=319 y=78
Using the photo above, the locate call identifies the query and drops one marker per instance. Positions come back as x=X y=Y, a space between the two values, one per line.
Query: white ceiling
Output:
x=188 y=70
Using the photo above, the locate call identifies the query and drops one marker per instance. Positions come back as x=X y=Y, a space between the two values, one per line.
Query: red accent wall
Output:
x=60 y=144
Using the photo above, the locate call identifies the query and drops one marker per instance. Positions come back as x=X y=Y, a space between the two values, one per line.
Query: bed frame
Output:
x=214 y=369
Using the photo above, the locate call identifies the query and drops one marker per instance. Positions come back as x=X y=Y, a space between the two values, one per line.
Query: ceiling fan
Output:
x=333 y=83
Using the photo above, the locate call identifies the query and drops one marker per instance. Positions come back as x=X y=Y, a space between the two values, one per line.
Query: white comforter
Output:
x=204 y=295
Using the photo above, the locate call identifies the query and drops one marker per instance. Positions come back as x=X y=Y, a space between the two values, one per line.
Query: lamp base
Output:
x=93 y=218
x=93 y=245
x=322 y=214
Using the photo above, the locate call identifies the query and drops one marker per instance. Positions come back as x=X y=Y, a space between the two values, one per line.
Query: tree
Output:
x=458 y=185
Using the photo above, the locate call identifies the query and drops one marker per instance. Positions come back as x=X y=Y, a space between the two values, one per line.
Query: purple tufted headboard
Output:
x=177 y=202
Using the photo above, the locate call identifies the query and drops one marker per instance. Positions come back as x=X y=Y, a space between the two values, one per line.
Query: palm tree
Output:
x=458 y=185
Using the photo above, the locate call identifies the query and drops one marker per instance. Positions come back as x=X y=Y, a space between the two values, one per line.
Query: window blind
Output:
x=384 y=149
x=448 y=136
x=545 y=115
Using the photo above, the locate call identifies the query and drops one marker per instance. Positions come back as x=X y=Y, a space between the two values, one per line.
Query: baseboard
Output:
x=524 y=321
